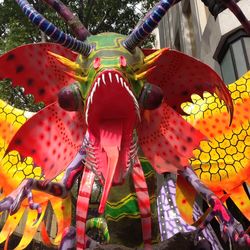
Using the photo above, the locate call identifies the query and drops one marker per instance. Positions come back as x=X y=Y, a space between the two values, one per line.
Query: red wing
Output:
x=52 y=137
x=180 y=76
x=167 y=140
x=31 y=67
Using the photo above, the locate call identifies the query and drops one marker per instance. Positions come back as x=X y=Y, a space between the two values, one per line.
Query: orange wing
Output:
x=223 y=162
x=13 y=170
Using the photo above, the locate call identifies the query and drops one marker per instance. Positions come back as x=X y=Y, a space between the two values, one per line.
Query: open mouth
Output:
x=110 y=99
x=112 y=112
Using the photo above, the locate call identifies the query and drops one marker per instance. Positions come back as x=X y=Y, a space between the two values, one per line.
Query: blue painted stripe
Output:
x=51 y=30
x=148 y=25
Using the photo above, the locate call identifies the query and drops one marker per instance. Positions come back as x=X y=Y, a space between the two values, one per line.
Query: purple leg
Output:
x=68 y=241
x=170 y=219
x=227 y=221
x=169 y=216
x=13 y=201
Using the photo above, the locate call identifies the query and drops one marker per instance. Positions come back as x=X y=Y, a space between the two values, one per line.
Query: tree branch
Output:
x=89 y=6
x=101 y=22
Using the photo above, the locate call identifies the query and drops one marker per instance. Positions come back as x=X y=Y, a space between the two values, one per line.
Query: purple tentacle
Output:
x=52 y=31
x=68 y=239
x=170 y=220
x=230 y=232
x=73 y=21
x=34 y=206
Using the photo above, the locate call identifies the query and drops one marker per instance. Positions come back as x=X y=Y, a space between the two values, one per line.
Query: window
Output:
x=234 y=57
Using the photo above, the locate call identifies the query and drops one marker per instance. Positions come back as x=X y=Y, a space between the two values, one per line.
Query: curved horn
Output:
x=73 y=21
x=143 y=30
x=52 y=31
x=235 y=9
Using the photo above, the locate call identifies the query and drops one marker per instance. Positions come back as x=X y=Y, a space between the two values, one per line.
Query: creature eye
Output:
x=123 y=62
x=97 y=63
x=69 y=98
x=151 y=96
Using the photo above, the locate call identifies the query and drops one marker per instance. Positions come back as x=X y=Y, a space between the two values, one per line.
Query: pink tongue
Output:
x=110 y=140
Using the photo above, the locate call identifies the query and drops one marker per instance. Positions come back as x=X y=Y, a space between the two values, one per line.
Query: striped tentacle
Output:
x=52 y=31
x=151 y=21
x=82 y=206
x=143 y=202
x=73 y=21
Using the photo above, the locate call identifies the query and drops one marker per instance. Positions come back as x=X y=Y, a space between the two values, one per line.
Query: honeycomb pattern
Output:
x=222 y=160
x=14 y=169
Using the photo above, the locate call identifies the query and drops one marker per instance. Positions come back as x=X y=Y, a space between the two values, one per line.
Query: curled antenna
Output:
x=150 y=22
x=152 y=19
x=73 y=21
x=52 y=31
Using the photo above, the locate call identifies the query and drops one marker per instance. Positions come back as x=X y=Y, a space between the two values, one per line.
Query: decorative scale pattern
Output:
x=32 y=67
x=222 y=162
x=59 y=135
x=13 y=170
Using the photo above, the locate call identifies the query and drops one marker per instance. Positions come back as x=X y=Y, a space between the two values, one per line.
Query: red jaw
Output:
x=111 y=115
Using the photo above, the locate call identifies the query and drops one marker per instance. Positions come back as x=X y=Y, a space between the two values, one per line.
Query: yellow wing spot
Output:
x=239 y=156
x=205 y=146
x=205 y=176
x=19 y=175
x=230 y=169
x=237 y=166
x=231 y=150
x=13 y=159
x=234 y=140
x=247 y=140
x=225 y=144
x=207 y=113
x=213 y=105
x=214 y=155
x=214 y=168
x=216 y=177
x=244 y=162
x=223 y=174
x=229 y=159
x=206 y=167
x=242 y=88
x=205 y=157
x=37 y=171
x=28 y=170
x=235 y=94
x=21 y=119
x=241 y=146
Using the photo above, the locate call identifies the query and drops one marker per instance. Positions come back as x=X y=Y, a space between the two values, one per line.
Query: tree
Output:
x=98 y=16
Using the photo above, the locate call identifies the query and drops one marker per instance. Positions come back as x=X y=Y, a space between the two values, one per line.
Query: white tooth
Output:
x=117 y=77
x=93 y=91
x=121 y=81
x=87 y=111
x=103 y=79
x=110 y=77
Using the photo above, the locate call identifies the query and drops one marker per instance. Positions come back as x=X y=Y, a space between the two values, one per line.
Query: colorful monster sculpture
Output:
x=222 y=162
x=121 y=97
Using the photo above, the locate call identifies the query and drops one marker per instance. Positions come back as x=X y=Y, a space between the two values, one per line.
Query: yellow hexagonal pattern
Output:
x=223 y=162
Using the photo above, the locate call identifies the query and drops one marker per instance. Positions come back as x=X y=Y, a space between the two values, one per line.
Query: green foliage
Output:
x=17 y=98
x=98 y=16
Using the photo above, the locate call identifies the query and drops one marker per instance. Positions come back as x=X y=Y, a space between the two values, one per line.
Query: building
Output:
x=220 y=43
